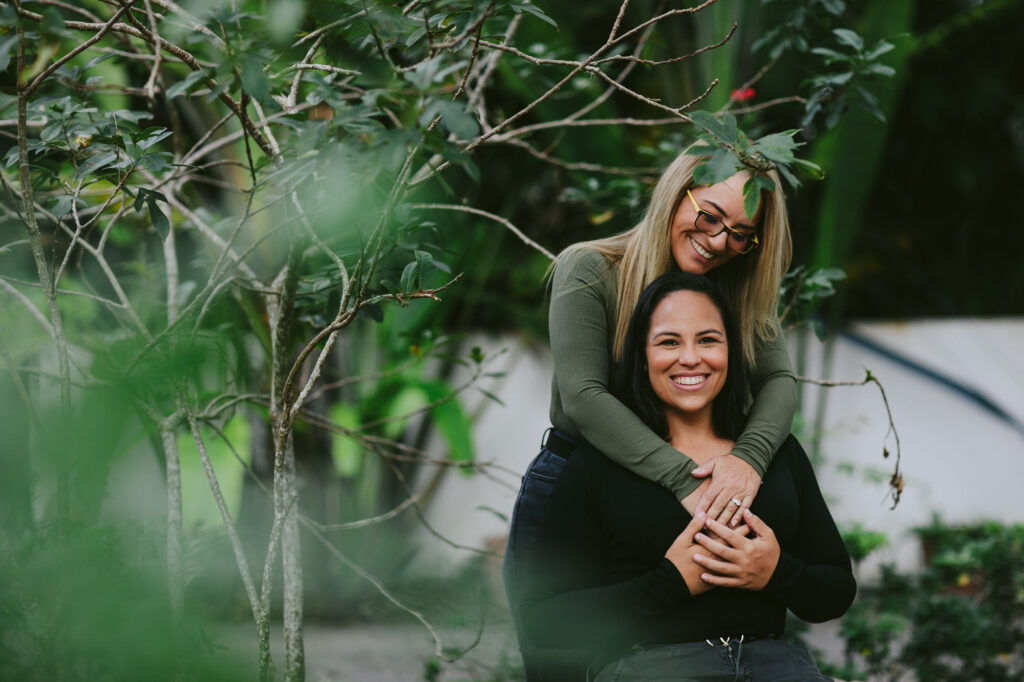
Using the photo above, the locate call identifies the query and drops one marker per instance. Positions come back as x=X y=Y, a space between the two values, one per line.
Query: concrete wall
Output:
x=958 y=460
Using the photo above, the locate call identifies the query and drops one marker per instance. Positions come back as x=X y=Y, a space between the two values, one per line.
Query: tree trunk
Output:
x=175 y=562
x=291 y=561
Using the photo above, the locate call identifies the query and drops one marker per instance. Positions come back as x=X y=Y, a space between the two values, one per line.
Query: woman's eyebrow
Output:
x=722 y=213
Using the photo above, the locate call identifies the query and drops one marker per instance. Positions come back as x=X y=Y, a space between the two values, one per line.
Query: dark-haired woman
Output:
x=651 y=592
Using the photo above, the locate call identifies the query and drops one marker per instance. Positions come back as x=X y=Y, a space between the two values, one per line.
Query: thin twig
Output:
x=491 y=216
x=896 y=480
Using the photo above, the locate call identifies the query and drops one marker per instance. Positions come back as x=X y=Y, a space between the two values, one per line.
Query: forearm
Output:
x=768 y=423
x=770 y=419
x=814 y=592
x=581 y=326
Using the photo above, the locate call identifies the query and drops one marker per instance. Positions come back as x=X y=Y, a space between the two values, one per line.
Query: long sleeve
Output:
x=581 y=321
x=814 y=575
x=773 y=385
x=570 y=604
x=581 y=325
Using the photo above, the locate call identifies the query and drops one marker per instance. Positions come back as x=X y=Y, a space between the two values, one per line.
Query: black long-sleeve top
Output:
x=604 y=583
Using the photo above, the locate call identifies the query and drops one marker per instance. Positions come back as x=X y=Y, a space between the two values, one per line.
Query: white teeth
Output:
x=698 y=249
x=689 y=381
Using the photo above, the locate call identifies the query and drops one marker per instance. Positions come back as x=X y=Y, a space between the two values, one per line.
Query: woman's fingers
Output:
x=721 y=507
x=721 y=580
x=692 y=528
x=744 y=507
x=760 y=528
x=733 y=485
x=729 y=535
x=718 y=566
x=719 y=549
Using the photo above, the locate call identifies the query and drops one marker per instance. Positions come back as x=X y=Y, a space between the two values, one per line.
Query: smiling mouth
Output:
x=690 y=381
x=703 y=253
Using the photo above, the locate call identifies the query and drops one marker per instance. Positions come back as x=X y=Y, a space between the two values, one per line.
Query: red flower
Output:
x=742 y=95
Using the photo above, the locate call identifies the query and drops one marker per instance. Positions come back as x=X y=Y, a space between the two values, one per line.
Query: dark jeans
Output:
x=767 y=660
x=540 y=665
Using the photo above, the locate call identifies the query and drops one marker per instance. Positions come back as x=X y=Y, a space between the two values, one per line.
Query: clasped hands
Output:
x=708 y=553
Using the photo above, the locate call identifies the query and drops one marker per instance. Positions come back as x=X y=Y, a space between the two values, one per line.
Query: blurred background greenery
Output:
x=921 y=155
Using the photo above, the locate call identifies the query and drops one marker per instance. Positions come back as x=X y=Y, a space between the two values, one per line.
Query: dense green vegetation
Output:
x=251 y=236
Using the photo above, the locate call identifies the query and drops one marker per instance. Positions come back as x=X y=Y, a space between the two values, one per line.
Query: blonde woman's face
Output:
x=696 y=252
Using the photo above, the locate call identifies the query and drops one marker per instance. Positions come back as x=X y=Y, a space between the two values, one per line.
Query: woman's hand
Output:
x=681 y=555
x=735 y=560
x=730 y=479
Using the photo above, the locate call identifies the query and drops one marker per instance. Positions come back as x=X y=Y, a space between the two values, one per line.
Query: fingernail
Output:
x=698 y=535
x=701 y=515
x=698 y=557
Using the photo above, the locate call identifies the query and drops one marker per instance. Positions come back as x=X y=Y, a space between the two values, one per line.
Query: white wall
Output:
x=959 y=461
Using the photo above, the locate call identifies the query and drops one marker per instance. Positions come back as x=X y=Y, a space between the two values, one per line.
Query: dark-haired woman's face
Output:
x=687 y=352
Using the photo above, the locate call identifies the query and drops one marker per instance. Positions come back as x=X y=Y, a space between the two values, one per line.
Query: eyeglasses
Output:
x=739 y=241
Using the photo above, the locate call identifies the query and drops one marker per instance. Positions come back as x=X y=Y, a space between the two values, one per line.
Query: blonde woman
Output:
x=595 y=286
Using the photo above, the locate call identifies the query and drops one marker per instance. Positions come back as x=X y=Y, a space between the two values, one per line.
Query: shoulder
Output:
x=792 y=456
x=582 y=260
x=581 y=269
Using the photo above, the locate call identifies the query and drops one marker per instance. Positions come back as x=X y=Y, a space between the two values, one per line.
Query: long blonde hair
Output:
x=749 y=282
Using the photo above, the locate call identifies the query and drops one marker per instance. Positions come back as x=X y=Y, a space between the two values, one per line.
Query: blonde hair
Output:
x=749 y=282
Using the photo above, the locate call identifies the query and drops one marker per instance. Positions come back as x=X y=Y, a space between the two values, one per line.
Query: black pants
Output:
x=762 y=660
x=521 y=559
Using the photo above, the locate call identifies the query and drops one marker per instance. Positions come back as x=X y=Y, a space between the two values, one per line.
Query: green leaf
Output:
x=881 y=70
x=95 y=163
x=457 y=121
x=491 y=396
x=182 y=86
x=831 y=56
x=345 y=451
x=752 y=192
x=835 y=7
x=140 y=198
x=880 y=48
x=532 y=9
x=848 y=37
x=452 y=423
x=6 y=43
x=410 y=280
x=777 y=147
x=254 y=81
x=809 y=168
x=723 y=165
x=160 y=222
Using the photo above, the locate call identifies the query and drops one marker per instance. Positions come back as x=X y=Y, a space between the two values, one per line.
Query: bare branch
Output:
x=24 y=300
x=77 y=50
x=363 y=523
x=579 y=165
x=229 y=524
x=476 y=211
x=896 y=480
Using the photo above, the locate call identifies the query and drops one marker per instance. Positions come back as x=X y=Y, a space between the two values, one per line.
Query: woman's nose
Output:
x=688 y=355
x=720 y=242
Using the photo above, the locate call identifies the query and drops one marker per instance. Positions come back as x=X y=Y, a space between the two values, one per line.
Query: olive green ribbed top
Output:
x=582 y=324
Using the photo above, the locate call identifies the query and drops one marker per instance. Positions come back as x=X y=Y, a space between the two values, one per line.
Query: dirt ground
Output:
x=385 y=653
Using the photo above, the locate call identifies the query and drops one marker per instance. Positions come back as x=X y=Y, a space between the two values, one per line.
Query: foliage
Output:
x=958 y=619
x=833 y=92
x=250 y=211
x=802 y=291
x=730 y=150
